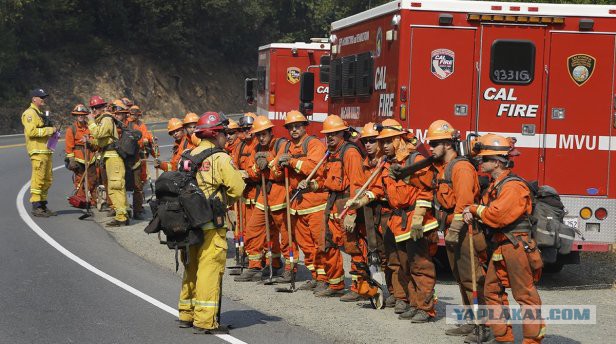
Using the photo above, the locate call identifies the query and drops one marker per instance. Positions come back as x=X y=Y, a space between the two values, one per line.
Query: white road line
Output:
x=25 y=216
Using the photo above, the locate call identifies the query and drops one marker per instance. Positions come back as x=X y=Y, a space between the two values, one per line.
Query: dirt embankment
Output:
x=162 y=90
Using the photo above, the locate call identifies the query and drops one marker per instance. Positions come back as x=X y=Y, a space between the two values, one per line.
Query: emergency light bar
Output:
x=515 y=19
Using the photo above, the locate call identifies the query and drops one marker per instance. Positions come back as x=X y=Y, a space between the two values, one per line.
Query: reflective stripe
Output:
x=404 y=236
x=541 y=333
x=111 y=154
x=308 y=210
x=206 y=304
x=423 y=204
x=40 y=151
x=334 y=216
x=480 y=210
x=354 y=277
x=497 y=257
x=274 y=255
x=249 y=201
x=336 y=280
x=186 y=302
x=255 y=256
x=430 y=226
x=271 y=164
x=320 y=271
x=370 y=195
x=272 y=207
x=310 y=267
x=70 y=155
x=298 y=166
x=458 y=217
x=36 y=191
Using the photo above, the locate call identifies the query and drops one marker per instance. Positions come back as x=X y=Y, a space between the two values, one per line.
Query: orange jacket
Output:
x=273 y=176
x=231 y=147
x=178 y=149
x=75 y=142
x=463 y=191
x=243 y=158
x=498 y=210
x=146 y=136
x=300 y=166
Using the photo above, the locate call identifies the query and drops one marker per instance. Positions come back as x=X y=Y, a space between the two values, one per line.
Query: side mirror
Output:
x=249 y=90
x=324 y=69
x=306 y=93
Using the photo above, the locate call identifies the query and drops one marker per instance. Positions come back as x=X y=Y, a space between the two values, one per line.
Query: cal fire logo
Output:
x=580 y=68
x=509 y=109
x=293 y=75
x=442 y=63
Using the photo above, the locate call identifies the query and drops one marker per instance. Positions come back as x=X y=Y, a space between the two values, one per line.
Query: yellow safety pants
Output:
x=114 y=167
x=202 y=277
x=41 y=177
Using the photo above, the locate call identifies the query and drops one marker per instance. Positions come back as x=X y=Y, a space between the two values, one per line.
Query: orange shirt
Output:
x=463 y=191
x=243 y=159
x=273 y=175
x=178 y=149
x=75 y=142
x=300 y=166
x=231 y=147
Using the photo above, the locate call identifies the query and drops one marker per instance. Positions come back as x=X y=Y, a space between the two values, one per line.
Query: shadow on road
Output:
x=246 y=318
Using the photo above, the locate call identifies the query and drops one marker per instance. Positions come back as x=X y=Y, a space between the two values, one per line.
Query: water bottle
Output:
x=53 y=140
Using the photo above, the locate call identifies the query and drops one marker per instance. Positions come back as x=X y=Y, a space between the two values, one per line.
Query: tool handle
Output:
x=311 y=175
x=360 y=192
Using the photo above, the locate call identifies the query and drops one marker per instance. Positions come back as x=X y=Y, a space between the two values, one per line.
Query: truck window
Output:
x=349 y=82
x=335 y=78
x=261 y=78
x=364 y=74
x=512 y=62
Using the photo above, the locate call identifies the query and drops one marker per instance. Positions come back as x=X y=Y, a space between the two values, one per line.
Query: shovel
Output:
x=291 y=288
x=237 y=268
x=86 y=185
x=269 y=281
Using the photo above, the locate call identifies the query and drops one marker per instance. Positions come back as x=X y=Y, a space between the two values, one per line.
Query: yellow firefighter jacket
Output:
x=104 y=131
x=35 y=132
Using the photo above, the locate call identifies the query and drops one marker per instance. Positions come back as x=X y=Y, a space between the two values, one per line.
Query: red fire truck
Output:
x=542 y=73
x=277 y=83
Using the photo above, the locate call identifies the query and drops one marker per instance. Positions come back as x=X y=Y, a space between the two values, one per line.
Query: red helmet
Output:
x=210 y=124
x=97 y=101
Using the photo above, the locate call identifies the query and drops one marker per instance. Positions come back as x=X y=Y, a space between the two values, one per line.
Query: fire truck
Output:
x=542 y=73
x=276 y=87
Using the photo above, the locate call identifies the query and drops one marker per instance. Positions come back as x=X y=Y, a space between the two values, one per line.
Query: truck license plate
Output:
x=572 y=221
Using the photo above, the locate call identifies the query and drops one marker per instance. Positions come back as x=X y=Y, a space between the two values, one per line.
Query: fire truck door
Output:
x=579 y=112
x=441 y=77
x=511 y=89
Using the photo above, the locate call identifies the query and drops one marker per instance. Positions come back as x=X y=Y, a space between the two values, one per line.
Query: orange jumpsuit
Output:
x=178 y=149
x=255 y=235
x=141 y=166
x=307 y=210
x=243 y=159
x=74 y=148
x=510 y=265
x=453 y=196
x=343 y=177
x=418 y=268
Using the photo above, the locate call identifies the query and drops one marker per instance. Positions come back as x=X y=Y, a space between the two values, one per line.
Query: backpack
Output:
x=181 y=208
x=548 y=229
x=304 y=147
x=127 y=145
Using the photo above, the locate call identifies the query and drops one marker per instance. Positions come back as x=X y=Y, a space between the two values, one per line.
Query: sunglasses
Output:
x=294 y=126
x=485 y=159
x=435 y=144
x=370 y=141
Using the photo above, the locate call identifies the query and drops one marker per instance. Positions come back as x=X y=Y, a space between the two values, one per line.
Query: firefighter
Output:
x=411 y=223
x=190 y=121
x=243 y=158
x=231 y=132
x=343 y=176
x=175 y=130
x=79 y=149
x=104 y=131
x=37 y=131
x=264 y=161
x=300 y=157
x=381 y=212
x=200 y=296
x=140 y=167
x=457 y=187
x=516 y=262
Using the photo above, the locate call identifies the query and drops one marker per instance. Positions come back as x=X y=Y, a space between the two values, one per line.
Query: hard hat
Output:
x=127 y=102
x=96 y=101
x=369 y=131
x=80 y=109
x=174 y=124
x=261 y=123
x=209 y=124
x=233 y=125
x=118 y=106
x=492 y=144
x=191 y=117
x=441 y=130
x=247 y=120
x=389 y=128
x=333 y=124
x=295 y=116
x=195 y=140
x=136 y=110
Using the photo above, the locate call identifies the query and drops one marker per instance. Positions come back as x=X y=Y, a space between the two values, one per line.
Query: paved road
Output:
x=46 y=297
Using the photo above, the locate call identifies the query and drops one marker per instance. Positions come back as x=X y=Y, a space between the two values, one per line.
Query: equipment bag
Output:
x=127 y=145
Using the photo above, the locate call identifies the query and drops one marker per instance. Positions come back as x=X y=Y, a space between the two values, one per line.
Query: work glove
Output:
x=261 y=160
x=452 y=237
x=417 y=223
x=395 y=171
x=284 y=160
x=73 y=165
x=312 y=186
x=349 y=222
x=358 y=203
x=156 y=163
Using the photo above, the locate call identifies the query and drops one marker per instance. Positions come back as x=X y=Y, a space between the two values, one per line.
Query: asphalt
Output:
x=47 y=297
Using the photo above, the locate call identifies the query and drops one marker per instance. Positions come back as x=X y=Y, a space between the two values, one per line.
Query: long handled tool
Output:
x=86 y=185
x=311 y=175
x=478 y=328
x=236 y=269
x=268 y=237
x=361 y=191
x=291 y=288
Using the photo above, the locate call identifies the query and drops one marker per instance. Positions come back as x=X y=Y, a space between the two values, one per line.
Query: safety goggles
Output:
x=81 y=108
x=370 y=140
x=435 y=144
x=379 y=127
x=246 y=121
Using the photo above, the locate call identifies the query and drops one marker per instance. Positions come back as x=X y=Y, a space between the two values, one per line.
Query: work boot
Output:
x=249 y=275
x=328 y=293
x=285 y=278
x=421 y=317
x=321 y=285
x=409 y=314
x=48 y=211
x=461 y=330
x=184 y=323
x=308 y=285
x=39 y=212
x=401 y=306
x=116 y=223
x=221 y=329
x=390 y=301
x=111 y=212
x=139 y=215
x=351 y=296
x=486 y=335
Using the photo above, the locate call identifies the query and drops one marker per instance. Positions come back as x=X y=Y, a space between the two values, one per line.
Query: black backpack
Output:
x=127 y=145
